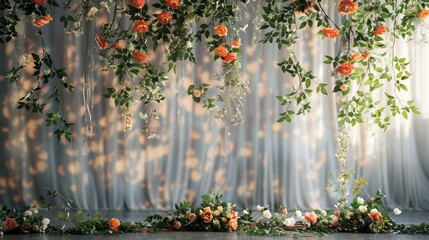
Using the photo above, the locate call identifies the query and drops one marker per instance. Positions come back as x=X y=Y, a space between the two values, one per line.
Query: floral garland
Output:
x=365 y=216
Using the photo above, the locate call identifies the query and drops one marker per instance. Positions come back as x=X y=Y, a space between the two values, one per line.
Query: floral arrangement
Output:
x=365 y=216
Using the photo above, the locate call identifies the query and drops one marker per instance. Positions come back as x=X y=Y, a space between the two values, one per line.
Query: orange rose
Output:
x=192 y=216
x=206 y=215
x=230 y=57
x=118 y=45
x=136 y=3
x=41 y=21
x=331 y=33
x=101 y=41
x=141 y=26
x=216 y=213
x=233 y=224
x=376 y=215
x=221 y=30
x=356 y=56
x=139 y=56
x=164 y=18
x=423 y=14
x=380 y=30
x=311 y=217
x=345 y=69
x=114 y=223
x=346 y=7
x=173 y=4
x=366 y=55
x=10 y=224
x=343 y=87
x=39 y=2
x=221 y=51
x=235 y=44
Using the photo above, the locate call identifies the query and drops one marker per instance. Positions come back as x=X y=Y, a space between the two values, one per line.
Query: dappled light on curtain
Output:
x=269 y=163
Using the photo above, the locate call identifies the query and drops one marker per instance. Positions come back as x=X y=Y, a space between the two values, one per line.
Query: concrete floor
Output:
x=405 y=217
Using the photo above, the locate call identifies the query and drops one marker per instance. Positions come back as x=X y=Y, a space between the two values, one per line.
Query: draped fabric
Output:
x=268 y=163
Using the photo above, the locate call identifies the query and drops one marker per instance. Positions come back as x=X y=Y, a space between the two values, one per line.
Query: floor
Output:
x=405 y=217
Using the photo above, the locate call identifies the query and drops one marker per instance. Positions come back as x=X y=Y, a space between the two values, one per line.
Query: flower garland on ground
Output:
x=365 y=216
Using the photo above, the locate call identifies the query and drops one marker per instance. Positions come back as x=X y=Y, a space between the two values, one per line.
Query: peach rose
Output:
x=345 y=69
x=39 y=2
x=337 y=213
x=136 y=3
x=375 y=215
x=216 y=213
x=139 y=56
x=38 y=23
x=164 y=18
x=10 y=224
x=141 y=26
x=331 y=33
x=380 y=30
x=114 y=223
x=230 y=57
x=356 y=56
x=235 y=44
x=423 y=14
x=206 y=215
x=234 y=215
x=177 y=225
x=232 y=224
x=366 y=55
x=284 y=211
x=192 y=216
x=173 y=4
x=221 y=30
x=343 y=88
x=118 y=46
x=346 y=7
x=101 y=41
x=221 y=51
x=196 y=93
x=311 y=217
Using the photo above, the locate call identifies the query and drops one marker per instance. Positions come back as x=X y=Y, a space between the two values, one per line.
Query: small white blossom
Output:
x=360 y=201
x=28 y=213
x=91 y=13
x=396 y=211
x=362 y=209
x=289 y=222
x=267 y=214
x=323 y=213
x=298 y=213
x=220 y=208
x=245 y=212
x=260 y=208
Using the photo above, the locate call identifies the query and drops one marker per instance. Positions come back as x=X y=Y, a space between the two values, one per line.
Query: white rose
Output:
x=396 y=211
x=298 y=213
x=35 y=211
x=220 y=208
x=245 y=212
x=360 y=201
x=267 y=214
x=46 y=221
x=260 y=208
x=362 y=209
x=289 y=222
x=323 y=213
x=28 y=213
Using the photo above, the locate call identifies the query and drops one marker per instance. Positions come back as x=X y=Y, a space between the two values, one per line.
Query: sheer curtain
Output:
x=269 y=163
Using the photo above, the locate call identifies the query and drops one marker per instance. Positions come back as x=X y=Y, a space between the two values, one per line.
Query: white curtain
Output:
x=269 y=163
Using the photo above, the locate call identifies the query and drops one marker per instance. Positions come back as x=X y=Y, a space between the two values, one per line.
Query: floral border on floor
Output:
x=363 y=216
